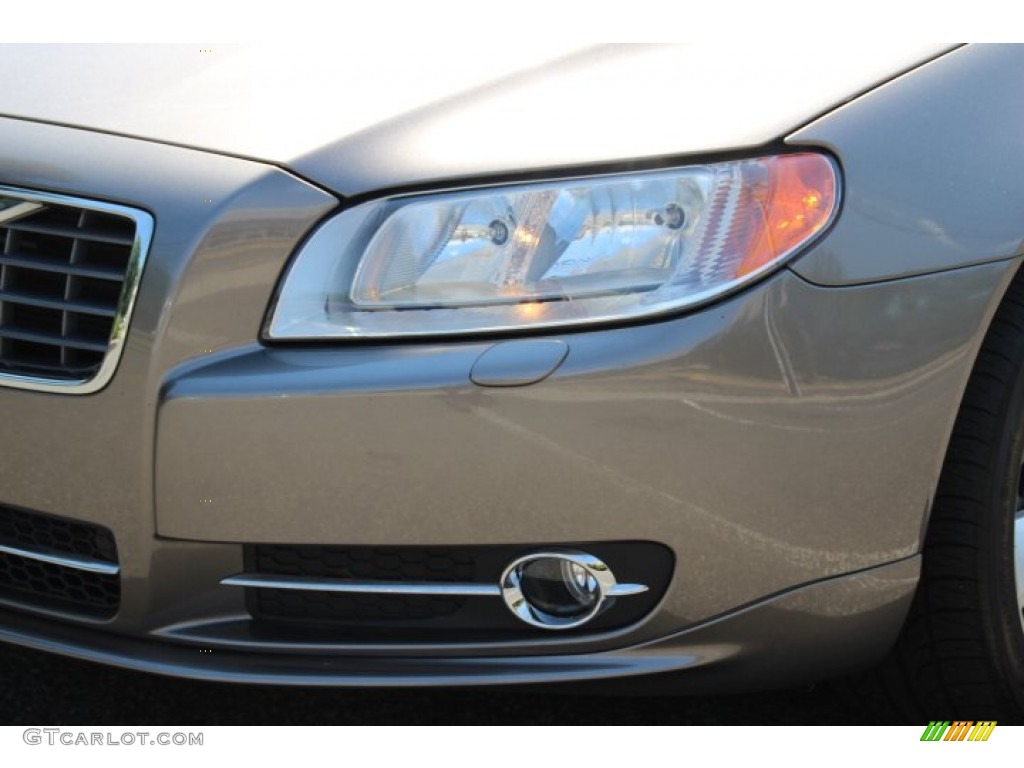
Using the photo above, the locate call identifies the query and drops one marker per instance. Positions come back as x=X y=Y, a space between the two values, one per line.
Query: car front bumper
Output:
x=803 y=636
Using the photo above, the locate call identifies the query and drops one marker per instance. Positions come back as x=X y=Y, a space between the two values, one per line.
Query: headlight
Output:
x=554 y=254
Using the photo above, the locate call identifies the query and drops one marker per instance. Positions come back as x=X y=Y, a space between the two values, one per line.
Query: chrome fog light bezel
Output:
x=523 y=609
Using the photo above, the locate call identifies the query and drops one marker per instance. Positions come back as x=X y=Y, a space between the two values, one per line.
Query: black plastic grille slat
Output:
x=64 y=305
x=92 y=234
x=43 y=265
x=34 y=583
x=51 y=339
x=62 y=271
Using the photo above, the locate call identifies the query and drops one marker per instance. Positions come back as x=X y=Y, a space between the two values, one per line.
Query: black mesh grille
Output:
x=378 y=564
x=53 y=586
x=62 y=271
x=42 y=533
x=36 y=583
x=318 y=607
x=384 y=564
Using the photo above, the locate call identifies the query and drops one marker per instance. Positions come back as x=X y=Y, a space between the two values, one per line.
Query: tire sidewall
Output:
x=1001 y=612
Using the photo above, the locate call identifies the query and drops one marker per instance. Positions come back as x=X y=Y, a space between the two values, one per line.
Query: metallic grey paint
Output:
x=358 y=120
x=810 y=450
x=257 y=216
x=784 y=442
x=932 y=166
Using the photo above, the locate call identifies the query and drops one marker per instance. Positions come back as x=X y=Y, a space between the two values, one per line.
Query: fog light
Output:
x=560 y=590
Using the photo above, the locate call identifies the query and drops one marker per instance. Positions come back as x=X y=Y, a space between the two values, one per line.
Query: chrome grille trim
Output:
x=66 y=561
x=140 y=244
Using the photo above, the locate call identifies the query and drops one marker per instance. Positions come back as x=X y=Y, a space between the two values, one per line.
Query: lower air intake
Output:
x=58 y=565
x=472 y=612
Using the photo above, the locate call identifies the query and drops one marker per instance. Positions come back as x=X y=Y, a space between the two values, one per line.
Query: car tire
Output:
x=960 y=655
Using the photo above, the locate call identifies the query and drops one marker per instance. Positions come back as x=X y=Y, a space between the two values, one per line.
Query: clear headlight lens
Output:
x=554 y=254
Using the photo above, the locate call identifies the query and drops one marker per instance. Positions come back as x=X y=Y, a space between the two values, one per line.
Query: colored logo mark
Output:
x=960 y=730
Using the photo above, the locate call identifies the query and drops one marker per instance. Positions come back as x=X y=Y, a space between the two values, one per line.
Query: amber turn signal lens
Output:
x=792 y=203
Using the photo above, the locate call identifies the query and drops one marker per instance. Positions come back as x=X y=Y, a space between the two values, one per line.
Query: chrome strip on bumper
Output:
x=362 y=587
x=367 y=587
x=67 y=561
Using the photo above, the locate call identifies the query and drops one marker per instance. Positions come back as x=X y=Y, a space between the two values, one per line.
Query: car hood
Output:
x=377 y=119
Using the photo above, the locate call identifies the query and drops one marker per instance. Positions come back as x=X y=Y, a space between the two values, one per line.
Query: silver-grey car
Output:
x=613 y=363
